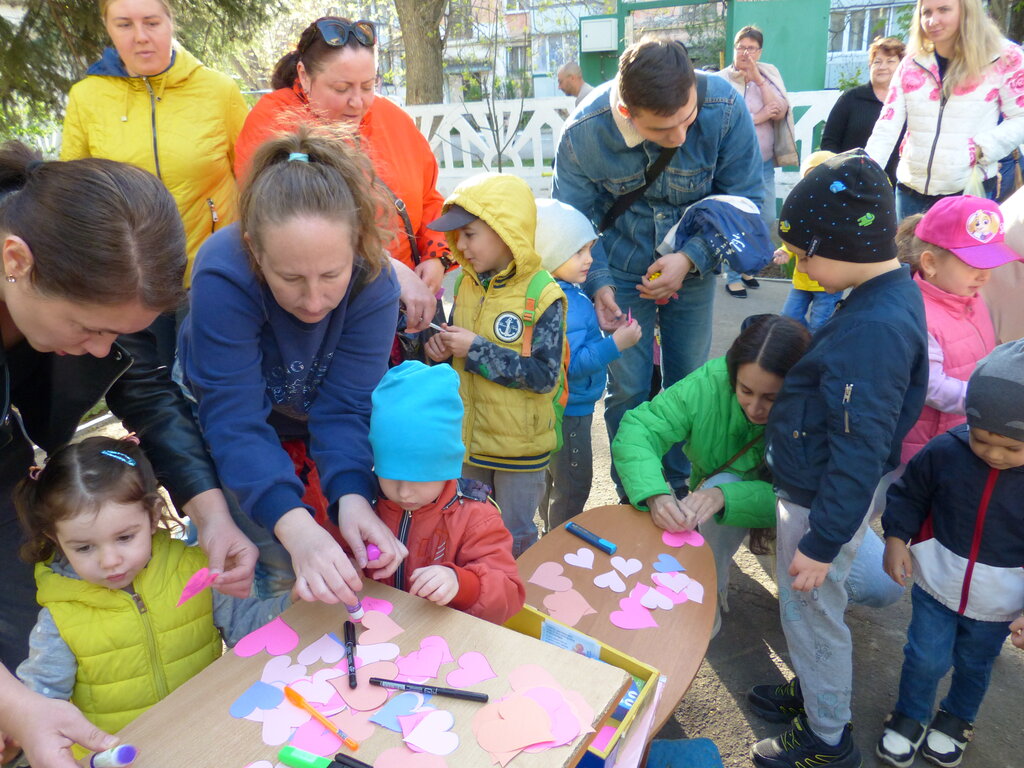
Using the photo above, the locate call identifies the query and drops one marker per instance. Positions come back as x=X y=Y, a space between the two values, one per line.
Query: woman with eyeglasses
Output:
x=766 y=98
x=960 y=91
x=853 y=116
x=93 y=251
x=151 y=103
x=330 y=77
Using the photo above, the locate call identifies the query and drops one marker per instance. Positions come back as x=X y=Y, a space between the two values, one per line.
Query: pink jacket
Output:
x=960 y=333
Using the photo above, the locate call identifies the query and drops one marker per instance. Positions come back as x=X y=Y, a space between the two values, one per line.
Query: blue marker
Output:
x=591 y=538
x=117 y=757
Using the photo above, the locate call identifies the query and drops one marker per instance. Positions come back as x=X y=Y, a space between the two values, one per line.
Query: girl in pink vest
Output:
x=952 y=249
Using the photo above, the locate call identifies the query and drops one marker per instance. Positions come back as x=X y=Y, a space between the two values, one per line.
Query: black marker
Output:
x=350 y=652
x=431 y=690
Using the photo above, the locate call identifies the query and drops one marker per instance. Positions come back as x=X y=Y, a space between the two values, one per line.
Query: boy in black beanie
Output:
x=834 y=432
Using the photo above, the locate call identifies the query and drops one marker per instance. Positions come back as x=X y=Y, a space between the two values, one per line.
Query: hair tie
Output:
x=122 y=457
x=301 y=157
x=33 y=472
x=131 y=437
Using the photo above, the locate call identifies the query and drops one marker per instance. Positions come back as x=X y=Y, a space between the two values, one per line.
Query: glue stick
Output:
x=116 y=757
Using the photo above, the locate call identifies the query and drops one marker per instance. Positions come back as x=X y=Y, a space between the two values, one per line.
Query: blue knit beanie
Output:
x=416 y=424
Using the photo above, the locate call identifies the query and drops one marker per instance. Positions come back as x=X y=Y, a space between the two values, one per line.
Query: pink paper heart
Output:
x=281 y=670
x=567 y=607
x=402 y=757
x=407 y=722
x=515 y=723
x=278 y=724
x=378 y=628
x=653 y=599
x=581 y=558
x=626 y=567
x=610 y=580
x=438 y=642
x=677 y=598
x=549 y=575
x=318 y=689
x=378 y=605
x=356 y=724
x=695 y=591
x=196 y=583
x=527 y=676
x=632 y=615
x=433 y=734
x=681 y=538
x=327 y=649
x=473 y=668
x=674 y=581
x=274 y=637
x=313 y=737
x=423 y=663
x=365 y=697
x=564 y=725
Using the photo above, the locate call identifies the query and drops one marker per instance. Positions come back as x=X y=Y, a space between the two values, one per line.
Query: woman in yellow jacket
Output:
x=151 y=103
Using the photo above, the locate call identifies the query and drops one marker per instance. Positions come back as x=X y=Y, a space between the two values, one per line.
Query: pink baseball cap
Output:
x=971 y=227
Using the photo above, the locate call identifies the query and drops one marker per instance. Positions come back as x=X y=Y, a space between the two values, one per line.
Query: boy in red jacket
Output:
x=460 y=553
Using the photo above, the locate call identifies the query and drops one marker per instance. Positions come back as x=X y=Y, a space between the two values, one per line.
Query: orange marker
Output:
x=296 y=698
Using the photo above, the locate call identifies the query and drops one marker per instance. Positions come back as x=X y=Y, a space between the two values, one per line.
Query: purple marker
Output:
x=116 y=757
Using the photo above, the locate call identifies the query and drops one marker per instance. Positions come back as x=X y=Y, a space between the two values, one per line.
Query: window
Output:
x=460 y=19
x=517 y=59
x=552 y=51
x=515 y=5
x=853 y=29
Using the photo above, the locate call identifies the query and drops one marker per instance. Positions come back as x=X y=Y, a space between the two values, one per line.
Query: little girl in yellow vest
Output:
x=110 y=636
x=506 y=341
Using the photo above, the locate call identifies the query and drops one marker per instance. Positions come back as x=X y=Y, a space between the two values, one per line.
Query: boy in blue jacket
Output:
x=563 y=240
x=835 y=430
x=958 y=506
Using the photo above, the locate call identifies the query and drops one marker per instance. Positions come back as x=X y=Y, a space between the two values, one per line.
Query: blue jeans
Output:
x=685 y=342
x=18 y=609
x=767 y=208
x=812 y=308
x=909 y=202
x=937 y=639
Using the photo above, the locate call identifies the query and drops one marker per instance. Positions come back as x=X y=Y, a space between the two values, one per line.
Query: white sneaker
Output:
x=946 y=740
x=900 y=740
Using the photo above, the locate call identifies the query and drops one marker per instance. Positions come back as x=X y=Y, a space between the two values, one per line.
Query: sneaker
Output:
x=946 y=740
x=799 y=747
x=777 y=703
x=900 y=740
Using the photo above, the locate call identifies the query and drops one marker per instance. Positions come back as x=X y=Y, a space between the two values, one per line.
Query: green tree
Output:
x=424 y=48
x=50 y=49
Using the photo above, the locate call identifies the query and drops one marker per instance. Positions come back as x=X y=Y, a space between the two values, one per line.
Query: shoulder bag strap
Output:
x=753 y=441
x=399 y=204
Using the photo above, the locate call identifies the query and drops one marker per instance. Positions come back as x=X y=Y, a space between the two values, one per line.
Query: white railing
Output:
x=466 y=137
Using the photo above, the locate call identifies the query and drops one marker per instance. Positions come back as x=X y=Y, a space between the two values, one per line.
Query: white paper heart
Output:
x=654 y=599
x=675 y=581
x=695 y=591
x=367 y=654
x=626 y=567
x=281 y=670
x=581 y=558
x=318 y=687
x=327 y=649
x=432 y=734
x=610 y=580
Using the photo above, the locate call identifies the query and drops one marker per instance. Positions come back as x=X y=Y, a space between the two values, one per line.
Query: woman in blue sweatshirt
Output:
x=293 y=313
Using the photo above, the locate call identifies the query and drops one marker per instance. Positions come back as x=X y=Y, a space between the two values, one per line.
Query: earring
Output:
x=11 y=279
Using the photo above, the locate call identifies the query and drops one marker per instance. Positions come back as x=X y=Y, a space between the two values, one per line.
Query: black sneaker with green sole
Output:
x=800 y=747
x=777 y=703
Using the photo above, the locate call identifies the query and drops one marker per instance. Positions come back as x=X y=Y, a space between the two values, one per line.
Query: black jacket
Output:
x=139 y=391
x=851 y=121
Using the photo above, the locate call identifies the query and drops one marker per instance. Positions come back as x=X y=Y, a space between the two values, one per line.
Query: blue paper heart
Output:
x=259 y=695
x=399 y=706
x=667 y=564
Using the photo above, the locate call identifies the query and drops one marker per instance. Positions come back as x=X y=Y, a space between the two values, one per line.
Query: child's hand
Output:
x=8 y=748
x=781 y=256
x=627 y=335
x=436 y=583
x=436 y=349
x=897 y=561
x=457 y=340
x=807 y=574
x=701 y=505
x=668 y=514
x=1017 y=632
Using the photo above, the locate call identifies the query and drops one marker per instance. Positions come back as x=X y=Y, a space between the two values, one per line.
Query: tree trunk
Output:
x=1009 y=15
x=421 y=34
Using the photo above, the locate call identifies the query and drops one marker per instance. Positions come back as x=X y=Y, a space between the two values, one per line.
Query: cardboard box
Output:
x=529 y=622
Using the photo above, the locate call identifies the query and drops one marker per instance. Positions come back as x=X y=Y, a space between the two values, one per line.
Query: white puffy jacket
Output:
x=936 y=156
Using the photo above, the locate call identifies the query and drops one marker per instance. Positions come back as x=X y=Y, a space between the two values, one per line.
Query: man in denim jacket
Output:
x=602 y=154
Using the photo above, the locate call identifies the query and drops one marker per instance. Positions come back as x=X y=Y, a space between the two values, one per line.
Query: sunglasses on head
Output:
x=336 y=32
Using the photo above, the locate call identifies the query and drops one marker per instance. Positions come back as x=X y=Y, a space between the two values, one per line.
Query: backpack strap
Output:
x=538 y=283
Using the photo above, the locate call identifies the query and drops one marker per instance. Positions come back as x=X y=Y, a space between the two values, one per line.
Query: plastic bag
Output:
x=976 y=183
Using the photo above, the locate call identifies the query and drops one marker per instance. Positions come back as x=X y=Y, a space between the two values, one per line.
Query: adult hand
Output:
x=419 y=301
x=665 y=276
x=322 y=569
x=457 y=340
x=431 y=272
x=701 y=505
x=232 y=556
x=897 y=561
x=609 y=316
x=46 y=728
x=436 y=583
x=807 y=574
x=436 y=349
x=667 y=514
x=1017 y=632
x=360 y=526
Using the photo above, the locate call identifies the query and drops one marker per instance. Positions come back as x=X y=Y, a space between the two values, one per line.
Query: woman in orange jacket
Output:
x=330 y=76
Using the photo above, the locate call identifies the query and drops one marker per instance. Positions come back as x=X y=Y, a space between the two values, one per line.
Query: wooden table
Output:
x=192 y=727
x=677 y=646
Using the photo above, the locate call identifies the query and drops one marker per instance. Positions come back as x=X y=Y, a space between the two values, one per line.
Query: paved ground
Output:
x=751 y=648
